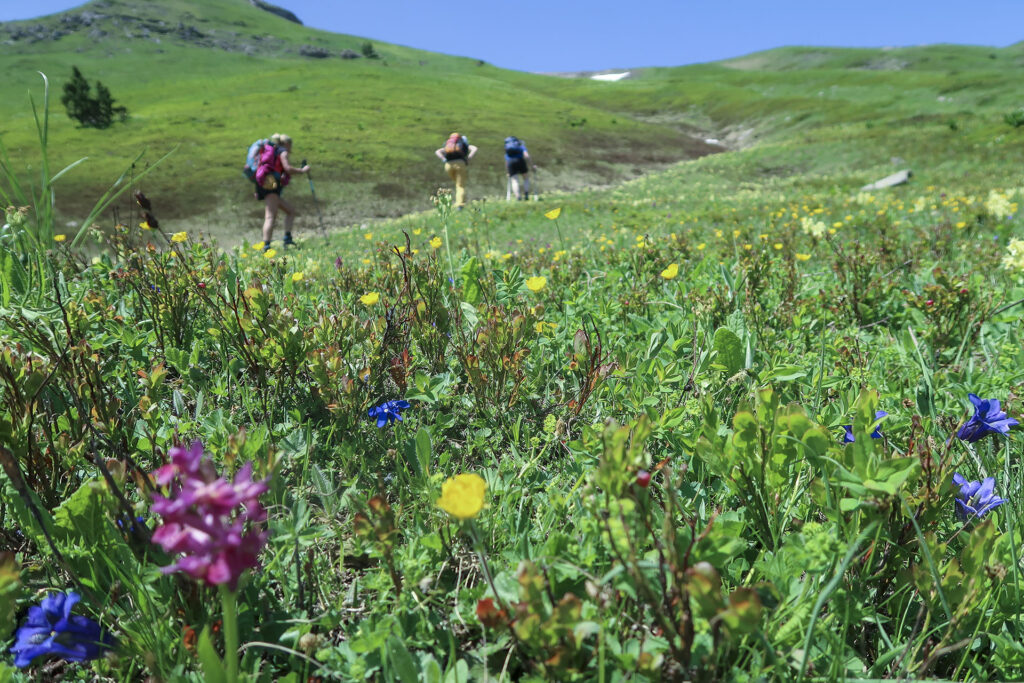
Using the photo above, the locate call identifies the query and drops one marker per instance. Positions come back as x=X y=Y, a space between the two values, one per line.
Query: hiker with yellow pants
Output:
x=456 y=154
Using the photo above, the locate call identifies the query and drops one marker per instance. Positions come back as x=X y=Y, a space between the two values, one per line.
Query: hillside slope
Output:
x=210 y=77
x=207 y=78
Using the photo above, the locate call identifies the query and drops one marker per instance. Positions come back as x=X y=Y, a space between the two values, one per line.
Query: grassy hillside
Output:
x=368 y=125
x=728 y=421
x=207 y=78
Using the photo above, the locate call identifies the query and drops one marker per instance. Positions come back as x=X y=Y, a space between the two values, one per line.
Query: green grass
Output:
x=369 y=127
x=761 y=547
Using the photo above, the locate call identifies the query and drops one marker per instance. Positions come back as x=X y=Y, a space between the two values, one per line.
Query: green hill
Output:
x=210 y=77
x=207 y=78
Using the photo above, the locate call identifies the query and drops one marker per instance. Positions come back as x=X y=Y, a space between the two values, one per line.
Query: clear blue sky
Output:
x=569 y=35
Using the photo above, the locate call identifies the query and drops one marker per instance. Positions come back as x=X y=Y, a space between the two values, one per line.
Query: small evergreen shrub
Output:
x=91 y=112
x=1015 y=118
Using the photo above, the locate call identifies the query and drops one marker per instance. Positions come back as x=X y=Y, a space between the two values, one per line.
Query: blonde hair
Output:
x=281 y=139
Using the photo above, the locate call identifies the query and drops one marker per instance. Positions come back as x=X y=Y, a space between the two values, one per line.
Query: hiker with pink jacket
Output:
x=272 y=176
x=456 y=154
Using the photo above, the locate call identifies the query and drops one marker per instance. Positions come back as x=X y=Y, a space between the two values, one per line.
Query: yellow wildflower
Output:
x=59 y=238
x=778 y=246
x=370 y=298
x=671 y=271
x=700 y=247
x=462 y=496
x=803 y=257
x=270 y=253
x=179 y=236
x=258 y=246
x=417 y=231
x=297 y=277
x=436 y=243
x=145 y=225
x=368 y=235
x=554 y=213
x=536 y=283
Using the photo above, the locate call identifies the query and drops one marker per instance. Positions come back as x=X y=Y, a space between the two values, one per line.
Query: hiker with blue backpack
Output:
x=517 y=163
x=456 y=154
x=267 y=165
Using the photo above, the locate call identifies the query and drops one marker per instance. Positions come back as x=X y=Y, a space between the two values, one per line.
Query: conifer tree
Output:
x=91 y=112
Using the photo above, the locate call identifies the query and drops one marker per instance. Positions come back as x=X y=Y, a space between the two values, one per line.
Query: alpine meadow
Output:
x=734 y=397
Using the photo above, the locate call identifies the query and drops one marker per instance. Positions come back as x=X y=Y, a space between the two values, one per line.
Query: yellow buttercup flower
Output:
x=59 y=238
x=297 y=277
x=462 y=496
x=417 y=231
x=554 y=213
x=778 y=246
x=179 y=236
x=803 y=257
x=270 y=253
x=145 y=225
x=436 y=243
x=370 y=298
x=368 y=235
x=258 y=246
x=671 y=271
x=700 y=247
x=536 y=283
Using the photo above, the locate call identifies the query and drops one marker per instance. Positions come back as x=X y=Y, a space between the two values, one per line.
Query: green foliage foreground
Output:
x=623 y=456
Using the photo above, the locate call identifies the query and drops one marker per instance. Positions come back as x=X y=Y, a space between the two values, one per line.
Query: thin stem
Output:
x=229 y=608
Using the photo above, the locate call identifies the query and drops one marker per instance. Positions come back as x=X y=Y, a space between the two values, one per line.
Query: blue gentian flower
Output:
x=388 y=412
x=987 y=419
x=848 y=436
x=51 y=629
x=975 y=497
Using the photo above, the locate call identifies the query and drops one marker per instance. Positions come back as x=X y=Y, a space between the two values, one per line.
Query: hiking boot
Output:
x=288 y=241
x=266 y=247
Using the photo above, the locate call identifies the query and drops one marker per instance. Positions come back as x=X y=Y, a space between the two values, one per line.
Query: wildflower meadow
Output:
x=691 y=427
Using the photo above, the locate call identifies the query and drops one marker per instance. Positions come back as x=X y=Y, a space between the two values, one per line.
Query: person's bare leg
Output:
x=515 y=187
x=289 y=218
x=272 y=201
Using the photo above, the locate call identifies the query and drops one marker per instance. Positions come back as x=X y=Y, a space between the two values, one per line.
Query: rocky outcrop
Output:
x=274 y=9
x=131 y=22
x=314 y=52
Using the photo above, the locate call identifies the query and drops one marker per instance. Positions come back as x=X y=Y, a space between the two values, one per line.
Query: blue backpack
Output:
x=514 y=148
x=252 y=159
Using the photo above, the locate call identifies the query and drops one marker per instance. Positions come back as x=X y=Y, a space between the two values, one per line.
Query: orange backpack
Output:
x=455 y=147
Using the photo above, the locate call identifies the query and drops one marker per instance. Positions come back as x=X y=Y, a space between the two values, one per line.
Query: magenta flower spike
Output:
x=211 y=523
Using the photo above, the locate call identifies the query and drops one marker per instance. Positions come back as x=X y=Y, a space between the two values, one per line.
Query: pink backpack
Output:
x=270 y=172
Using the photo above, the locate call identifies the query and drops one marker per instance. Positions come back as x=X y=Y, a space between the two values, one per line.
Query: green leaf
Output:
x=728 y=350
x=785 y=373
x=402 y=663
x=430 y=668
x=470 y=314
x=423 y=450
x=213 y=668
x=470 y=274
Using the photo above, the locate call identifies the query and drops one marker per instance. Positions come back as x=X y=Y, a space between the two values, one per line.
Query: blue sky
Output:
x=570 y=35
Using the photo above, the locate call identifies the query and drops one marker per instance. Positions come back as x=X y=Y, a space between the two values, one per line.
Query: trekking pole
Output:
x=312 y=191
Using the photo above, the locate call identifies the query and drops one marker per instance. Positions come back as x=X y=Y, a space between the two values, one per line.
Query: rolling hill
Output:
x=207 y=78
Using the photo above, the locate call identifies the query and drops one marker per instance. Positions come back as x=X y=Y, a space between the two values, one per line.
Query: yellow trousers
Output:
x=458 y=171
